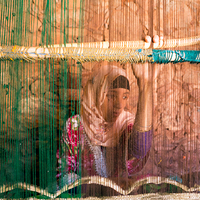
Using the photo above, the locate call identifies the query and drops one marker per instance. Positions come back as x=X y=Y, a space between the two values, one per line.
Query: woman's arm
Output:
x=143 y=120
x=140 y=139
x=145 y=74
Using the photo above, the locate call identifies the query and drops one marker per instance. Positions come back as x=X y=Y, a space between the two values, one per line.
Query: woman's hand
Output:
x=142 y=72
x=145 y=73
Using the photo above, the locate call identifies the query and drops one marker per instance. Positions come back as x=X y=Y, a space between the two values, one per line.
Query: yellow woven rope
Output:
x=79 y=54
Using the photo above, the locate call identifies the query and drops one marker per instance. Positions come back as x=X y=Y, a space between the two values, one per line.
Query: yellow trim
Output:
x=100 y=181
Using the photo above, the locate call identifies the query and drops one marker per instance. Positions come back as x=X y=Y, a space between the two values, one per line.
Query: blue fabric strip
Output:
x=166 y=56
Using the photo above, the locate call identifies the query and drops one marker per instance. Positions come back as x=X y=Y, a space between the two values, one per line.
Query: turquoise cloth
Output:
x=166 y=56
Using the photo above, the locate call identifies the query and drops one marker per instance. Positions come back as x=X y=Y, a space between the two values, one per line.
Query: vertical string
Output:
x=110 y=21
x=80 y=39
x=16 y=106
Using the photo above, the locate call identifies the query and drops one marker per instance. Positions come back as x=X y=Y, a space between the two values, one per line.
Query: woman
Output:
x=113 y=144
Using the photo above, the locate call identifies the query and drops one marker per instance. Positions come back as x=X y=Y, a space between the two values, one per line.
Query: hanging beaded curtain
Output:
x=76 y=122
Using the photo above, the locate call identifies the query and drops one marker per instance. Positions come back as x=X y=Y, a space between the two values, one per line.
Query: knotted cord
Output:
x=80 y=54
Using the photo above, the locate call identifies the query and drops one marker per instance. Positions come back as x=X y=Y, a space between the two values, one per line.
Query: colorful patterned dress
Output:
x=77 y=153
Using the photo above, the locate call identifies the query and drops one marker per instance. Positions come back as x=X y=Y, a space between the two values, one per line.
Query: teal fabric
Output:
x=166 y=56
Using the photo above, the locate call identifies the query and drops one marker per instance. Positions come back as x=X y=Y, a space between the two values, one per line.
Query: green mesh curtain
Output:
x=37 y=98
x=52 y=119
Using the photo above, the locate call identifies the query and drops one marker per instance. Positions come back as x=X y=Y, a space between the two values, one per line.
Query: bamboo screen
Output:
x=61 y=133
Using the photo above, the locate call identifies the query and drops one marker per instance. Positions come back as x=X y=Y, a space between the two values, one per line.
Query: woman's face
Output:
x=114 y=103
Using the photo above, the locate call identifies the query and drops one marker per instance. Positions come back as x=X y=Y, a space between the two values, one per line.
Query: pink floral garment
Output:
x=68 y=155
x=74 y=141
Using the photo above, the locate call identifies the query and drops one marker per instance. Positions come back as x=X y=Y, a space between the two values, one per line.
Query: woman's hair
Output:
x=121 y=82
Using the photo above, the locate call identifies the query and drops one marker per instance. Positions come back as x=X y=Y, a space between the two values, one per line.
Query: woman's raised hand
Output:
x=147 y=72
x=142 y=72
